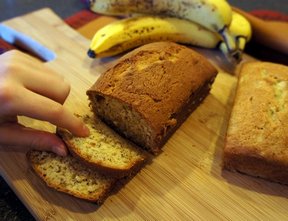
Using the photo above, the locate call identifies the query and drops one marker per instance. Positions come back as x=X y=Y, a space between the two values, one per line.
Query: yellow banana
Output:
x=215 y=15
x=240 y=29
x=129 y=33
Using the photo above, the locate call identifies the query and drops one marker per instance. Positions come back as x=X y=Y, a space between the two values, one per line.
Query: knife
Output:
x=25 y=42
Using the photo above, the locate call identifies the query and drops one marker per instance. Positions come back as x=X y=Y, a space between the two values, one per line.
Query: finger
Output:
x=48 y=85
x=36 y=77
x=19 y=136
x=35 y=106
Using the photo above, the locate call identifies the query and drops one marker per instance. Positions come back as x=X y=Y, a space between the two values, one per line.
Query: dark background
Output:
x=66 y=8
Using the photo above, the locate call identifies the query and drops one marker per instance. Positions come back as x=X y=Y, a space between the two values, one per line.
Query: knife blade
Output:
x=25 y=42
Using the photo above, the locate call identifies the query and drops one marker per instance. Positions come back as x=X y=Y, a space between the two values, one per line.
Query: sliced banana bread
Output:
x=67 y=174
x=150 y=92
x=104 y=149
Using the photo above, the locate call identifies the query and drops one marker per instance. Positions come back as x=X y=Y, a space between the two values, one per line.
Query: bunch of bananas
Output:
x=203 y=23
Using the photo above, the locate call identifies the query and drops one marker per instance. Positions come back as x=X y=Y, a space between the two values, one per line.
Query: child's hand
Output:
x=29 y=88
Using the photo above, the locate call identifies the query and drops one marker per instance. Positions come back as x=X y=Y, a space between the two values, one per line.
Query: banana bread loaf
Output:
x=150 y=91
x=257 y=135
x=104 y=149
x=68 y=175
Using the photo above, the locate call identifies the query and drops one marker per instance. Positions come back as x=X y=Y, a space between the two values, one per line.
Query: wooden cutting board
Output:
x=185 y=182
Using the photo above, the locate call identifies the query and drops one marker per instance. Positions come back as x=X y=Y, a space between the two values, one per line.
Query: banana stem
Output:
x=228 y=40
x=236 y=55
x=229 y=46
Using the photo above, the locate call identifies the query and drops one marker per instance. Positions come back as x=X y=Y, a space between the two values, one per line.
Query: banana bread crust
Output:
x=257 y=135
x=160 y=84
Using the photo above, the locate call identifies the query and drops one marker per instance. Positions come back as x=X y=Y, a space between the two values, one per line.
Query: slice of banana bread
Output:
x=104 y=149
x=150 y=92
x=257 y=135
x=68 y=175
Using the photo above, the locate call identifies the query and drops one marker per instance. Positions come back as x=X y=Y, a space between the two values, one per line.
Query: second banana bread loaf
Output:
x=257 y=135
x=150 y=91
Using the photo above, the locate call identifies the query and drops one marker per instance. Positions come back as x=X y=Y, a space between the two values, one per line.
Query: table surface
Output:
x=10 y=206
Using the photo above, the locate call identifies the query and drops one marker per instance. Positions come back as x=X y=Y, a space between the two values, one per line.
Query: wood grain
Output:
x=185 y=182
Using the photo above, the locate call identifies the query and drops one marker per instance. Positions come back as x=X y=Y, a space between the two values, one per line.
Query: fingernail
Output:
x=61 y=150
x=85 y=130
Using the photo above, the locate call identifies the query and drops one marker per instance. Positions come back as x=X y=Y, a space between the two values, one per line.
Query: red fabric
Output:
x=4 y=46
x=270 y=15
x=81 y=18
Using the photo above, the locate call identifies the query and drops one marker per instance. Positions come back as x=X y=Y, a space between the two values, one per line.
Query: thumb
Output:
x=23 y=137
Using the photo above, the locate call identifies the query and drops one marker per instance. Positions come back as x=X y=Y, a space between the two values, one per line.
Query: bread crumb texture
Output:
x=104 y=147
x=68 y=175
